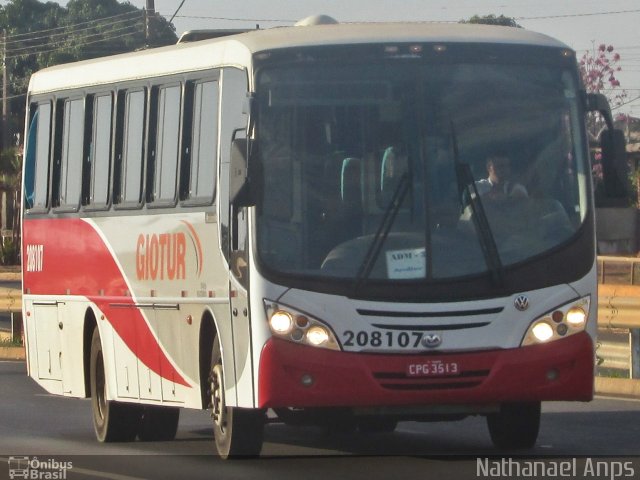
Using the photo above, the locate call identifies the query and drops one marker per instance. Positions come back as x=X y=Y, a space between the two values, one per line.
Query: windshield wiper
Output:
x=384 y=228
x=467 y=188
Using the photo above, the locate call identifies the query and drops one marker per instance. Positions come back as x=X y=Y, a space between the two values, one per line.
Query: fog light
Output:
x=562 y=329
x=317 y=335
x=302 y=321
x=576 y=317
x=552 y=374
x=542 y=331
x=306 y=380
x=281 y=322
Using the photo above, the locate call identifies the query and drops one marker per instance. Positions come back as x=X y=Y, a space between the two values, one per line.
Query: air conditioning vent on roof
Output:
x=316 y=20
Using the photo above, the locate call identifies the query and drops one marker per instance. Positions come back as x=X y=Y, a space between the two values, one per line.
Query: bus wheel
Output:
x=113 y=421
x=515 y=426
x=159 y=423
x=237 y=431
x=377 y=424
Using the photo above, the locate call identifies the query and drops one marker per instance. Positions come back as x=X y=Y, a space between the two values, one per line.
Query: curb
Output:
x=10 y=277
x=618 y=387
x=12 y=353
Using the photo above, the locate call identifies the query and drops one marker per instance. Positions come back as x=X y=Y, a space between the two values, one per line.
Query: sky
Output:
x=581 y=24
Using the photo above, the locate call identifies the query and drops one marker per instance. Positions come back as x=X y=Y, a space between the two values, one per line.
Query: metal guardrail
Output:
x=618 y=309
x=10 y=300
x=619 y=306
x=619 y=270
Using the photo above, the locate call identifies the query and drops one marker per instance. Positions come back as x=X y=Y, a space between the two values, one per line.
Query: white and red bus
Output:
x=290 y=223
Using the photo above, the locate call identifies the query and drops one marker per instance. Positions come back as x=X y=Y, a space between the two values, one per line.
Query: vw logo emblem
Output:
x=431 y=340
x=521 y=302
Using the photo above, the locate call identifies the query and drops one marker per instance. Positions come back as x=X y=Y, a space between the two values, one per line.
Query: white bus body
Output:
x=140 y=270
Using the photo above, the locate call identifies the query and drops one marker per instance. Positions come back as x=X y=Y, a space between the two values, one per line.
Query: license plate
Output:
x=433 y=368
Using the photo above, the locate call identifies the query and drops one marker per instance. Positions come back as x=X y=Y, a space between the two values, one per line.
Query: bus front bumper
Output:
x=294 y=375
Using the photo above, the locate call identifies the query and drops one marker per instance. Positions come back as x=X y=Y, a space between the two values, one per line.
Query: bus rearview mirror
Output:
x=615 y=170
x=239 y=184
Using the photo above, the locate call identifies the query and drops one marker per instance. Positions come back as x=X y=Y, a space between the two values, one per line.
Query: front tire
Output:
x=515 y=426
x=238 y=432
x=113 y=421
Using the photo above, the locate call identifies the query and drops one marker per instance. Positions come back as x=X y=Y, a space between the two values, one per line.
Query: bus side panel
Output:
x=71 y=314
x=43 y=348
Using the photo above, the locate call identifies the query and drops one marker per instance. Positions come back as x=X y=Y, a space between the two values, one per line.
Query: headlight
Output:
x=542 y=331
x=281 y=322
x=561 y=322
x=289 y=324
x=576 y=316
x=317 y=336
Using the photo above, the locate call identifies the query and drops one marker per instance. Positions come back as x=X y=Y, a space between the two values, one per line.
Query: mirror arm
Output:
x=597 y=102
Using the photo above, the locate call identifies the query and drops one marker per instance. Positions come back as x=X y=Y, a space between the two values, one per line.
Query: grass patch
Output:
x=612 y=373
x=7 y=342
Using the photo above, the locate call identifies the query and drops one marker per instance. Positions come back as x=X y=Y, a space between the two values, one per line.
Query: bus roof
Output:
x=237 y=50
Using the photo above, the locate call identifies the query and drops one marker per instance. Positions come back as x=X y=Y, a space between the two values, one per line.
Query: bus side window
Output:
x=130 y=141
x=164 y=144
x=99 y=151
x=36 y=177
x=200 y=145
x=68 y=156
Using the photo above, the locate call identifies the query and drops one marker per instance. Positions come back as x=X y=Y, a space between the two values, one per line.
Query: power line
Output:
x=11 y=97
x=231 y=19
x=51 y=37
x=626 y=103
x=288 y=20
x=571 y=15
x=33 y=49
x=84 y=43
x=177 y=10
x=96 y=20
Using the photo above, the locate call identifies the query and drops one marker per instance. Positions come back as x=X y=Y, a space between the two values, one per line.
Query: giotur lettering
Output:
x=161 y=256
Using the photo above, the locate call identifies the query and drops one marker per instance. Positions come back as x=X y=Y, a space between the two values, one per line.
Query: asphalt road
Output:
x=34 y=424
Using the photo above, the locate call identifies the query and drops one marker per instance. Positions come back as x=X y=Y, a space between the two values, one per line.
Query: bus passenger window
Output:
x=167 y=134
x=68 y=170
x=37 y=157
x=131 y=149
x=100 y=153
x=199 y=172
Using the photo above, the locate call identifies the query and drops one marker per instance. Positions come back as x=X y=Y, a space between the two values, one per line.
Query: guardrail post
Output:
x=634 y=340
x=16 y=327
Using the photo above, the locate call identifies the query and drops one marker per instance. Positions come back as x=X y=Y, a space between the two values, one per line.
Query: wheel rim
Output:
x=101 y=389
x=218 y=406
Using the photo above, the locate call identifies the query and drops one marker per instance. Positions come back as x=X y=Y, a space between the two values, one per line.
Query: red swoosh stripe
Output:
x=77 y=262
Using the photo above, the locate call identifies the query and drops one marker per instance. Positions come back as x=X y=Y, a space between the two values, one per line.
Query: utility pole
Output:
x=149 y=17
x=5 y=92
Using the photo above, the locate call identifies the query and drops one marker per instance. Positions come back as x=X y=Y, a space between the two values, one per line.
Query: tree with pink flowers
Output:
x=599 y=70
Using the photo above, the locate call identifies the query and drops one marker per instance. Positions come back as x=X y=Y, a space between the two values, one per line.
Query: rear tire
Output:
x=113 y=421
x=515 y=426
x=159 y=423
x=238 y=432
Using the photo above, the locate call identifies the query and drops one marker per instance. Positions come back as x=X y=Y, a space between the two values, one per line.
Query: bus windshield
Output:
x=403 y=171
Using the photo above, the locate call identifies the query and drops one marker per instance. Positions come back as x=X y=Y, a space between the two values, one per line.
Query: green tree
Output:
x=41 y=34
x=493 y=20
x=45 y=34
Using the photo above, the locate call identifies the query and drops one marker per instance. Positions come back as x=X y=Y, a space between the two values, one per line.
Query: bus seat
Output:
x=351 y=184
x=392 y=167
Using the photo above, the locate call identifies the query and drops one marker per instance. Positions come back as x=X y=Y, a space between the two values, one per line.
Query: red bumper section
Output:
x=561 y=370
